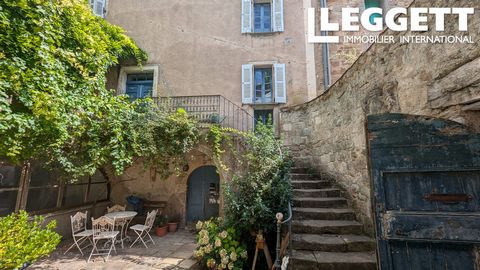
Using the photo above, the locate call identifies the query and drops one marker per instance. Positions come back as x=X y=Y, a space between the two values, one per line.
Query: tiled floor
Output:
x=173 y=251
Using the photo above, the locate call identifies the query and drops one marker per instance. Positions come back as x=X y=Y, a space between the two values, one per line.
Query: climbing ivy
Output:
x=54 y=105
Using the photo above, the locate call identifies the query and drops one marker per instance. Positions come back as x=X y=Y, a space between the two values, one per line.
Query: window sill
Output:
x=271 y=33
x=263 y=104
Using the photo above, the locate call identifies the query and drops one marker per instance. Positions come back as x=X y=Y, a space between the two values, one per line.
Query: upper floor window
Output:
x=139 y=85
x=263 y=84
x=98 y=7
x=373 y=4
x=262 y=16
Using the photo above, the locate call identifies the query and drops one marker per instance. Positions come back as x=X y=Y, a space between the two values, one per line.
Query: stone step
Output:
x=309 y=184
x=332 y=242
x=303 y=176
x=300 y=213
x=327 y=226
x=336 y=202
x=299 y=170
x=324 y=192
x=318 y=260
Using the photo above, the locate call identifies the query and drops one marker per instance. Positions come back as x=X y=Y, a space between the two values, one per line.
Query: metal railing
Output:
x=280 y=223
x=211 y=109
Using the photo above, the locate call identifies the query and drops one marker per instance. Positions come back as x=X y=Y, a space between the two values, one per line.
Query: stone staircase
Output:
x=325 y=234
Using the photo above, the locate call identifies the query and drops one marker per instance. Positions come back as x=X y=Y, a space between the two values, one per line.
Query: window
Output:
x=139 y=85
x=373 y=4
x=262 y=16
x=34 y=188
x=98 y=7
x=263 y=116
x=9 y=187
x=263 y=84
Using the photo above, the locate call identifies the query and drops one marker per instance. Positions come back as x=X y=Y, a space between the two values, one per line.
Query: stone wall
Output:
x=343 y=55
x=442 y=80
x=145 y=182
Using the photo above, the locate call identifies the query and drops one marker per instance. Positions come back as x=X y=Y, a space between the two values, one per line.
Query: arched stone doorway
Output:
x=203 y=194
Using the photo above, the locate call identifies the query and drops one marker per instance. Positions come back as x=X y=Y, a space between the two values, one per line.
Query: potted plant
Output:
x=173 y=223
x=161 y=225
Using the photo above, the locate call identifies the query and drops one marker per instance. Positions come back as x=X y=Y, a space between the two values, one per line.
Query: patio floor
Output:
x=173 y=251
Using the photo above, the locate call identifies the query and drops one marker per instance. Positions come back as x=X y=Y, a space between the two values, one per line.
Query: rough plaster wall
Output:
x=328 y=133
x=199 y=47
x=144 y=182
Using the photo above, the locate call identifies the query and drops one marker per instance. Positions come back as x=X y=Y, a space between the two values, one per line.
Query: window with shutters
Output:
x=262 y=16
x=263 y=84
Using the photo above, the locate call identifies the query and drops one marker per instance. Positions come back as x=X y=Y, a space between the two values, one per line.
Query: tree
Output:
x=54 y=104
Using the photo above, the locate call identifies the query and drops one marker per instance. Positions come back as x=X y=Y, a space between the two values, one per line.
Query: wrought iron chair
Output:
x=80 y=234
x=119 y=224
x=116 y=208
x=103 y=229
x=143 y=231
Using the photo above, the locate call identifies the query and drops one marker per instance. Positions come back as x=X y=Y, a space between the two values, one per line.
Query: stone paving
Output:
x=173 y=251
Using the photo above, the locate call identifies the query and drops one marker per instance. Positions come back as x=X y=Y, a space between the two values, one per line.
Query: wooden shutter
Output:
x=277 y=12
x=280 y=83
x=247 y=16
x=98 y=7
x=247 y=84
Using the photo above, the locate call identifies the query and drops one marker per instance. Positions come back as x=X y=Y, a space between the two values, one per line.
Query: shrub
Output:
x=252 y=199
x=24 y=241
x=219 y=247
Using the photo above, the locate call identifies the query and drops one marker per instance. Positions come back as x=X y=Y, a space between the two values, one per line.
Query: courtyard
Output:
x=172 y=251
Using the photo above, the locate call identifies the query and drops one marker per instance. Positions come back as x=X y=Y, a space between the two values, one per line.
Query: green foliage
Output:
x=160 y=221
x=218 y=246
x=23 y=241
x=165 y=137
x=53 y=59
x=54 y=106
x=252 y=198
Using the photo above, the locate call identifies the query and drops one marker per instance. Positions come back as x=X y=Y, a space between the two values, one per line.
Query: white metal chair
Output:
x=143 y=231
x=116 y=208
x=80 y=234
x=119 y=224
x=103 y=229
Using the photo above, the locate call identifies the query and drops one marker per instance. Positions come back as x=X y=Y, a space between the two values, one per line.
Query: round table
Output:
x=123 y=219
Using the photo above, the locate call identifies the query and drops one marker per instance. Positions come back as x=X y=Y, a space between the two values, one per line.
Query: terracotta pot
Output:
x=172 y=226
x=161 y=231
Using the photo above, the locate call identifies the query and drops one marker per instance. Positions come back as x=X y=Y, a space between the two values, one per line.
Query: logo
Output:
x=396 y=19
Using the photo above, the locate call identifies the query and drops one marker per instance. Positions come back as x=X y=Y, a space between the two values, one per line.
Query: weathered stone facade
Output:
x=440 y=80
x=343 y=55
x=144 y=182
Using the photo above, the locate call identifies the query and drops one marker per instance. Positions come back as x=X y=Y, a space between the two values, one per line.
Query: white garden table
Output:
x=123 y=219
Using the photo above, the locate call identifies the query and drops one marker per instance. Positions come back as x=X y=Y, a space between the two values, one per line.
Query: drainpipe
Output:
x=325 y=55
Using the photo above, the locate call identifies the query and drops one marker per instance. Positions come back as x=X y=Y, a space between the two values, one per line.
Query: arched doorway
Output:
x=203 y=193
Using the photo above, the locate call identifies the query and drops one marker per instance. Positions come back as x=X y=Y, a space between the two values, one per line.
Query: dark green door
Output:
x=426 y=192
x=203 y=194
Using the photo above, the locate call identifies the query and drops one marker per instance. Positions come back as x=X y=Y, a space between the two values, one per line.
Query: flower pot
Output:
x=161 y=231
x=172 y=226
